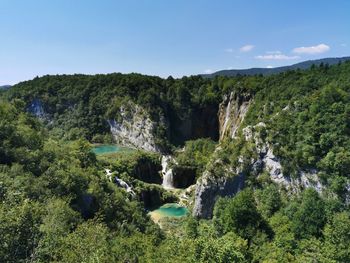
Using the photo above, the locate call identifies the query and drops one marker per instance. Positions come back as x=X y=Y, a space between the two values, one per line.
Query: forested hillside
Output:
x=80 y=105
x=286 y=137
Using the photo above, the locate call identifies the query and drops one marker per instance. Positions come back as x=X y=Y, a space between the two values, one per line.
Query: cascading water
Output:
x=168 y=178
x=119 y=182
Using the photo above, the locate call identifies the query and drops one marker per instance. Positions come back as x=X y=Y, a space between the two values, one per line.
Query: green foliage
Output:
x=268 y=200
x=48 y=191
x=238 y=215
x=81 y=104
x=57 y=206
x=228 y=248
x=196 y=155
x=337 y=238
x=308 y=215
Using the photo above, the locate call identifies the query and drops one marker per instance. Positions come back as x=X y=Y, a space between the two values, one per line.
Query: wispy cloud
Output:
x=343 y=45
x=229 y=50
x=275 y=52
x=276 y=57
x=321 y=48
x=208 y=71
x=246 y=48
x=269 y=66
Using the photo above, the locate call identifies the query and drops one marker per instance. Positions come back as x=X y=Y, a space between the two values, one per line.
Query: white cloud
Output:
x=208 y=71
x=246 y=48
x=276 y=57
x=229 y=50
x=343 y=45
x=276 y=52
x=321 y=48
x=269 y=66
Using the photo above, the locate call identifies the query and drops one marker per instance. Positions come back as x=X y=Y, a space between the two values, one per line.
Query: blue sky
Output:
x=163 y=37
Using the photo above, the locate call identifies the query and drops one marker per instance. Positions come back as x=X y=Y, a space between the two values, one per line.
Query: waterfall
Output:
x=168 y=178
x=119 y=182
x=227 y=116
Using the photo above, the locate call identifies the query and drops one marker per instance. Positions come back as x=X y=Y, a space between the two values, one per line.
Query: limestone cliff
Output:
x=209 y=189
x=231 y=178
x=267 y=161
x=232 y=111
x=133 y=127
x=37 y=109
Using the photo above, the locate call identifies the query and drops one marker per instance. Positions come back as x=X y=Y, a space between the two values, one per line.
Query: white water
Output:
x=227 y=116
x=119 y=182
x=167 y=173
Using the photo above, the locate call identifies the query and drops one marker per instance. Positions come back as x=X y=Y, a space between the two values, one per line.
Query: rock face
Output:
x=175 y=176
x=134 y=128
x=232 y=112
x=269 y=162
x=199 y=123
x=37 y=109
x=209 y=189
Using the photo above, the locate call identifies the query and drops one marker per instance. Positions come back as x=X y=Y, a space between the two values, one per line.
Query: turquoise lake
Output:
x=106 y=149
x=171 y=210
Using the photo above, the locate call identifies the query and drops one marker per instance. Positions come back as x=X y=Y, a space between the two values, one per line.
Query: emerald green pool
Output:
x=106 y=149
x=170 y=210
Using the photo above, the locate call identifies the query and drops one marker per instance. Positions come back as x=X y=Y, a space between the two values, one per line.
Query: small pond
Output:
x=169 y=210
x=108 y=149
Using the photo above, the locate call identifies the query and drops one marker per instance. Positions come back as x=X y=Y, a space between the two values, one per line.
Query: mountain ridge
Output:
x=5 y=87
x=269 y=71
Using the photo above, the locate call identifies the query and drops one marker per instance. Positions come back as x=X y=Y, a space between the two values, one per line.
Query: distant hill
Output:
x=268 y=71
x=5 y=87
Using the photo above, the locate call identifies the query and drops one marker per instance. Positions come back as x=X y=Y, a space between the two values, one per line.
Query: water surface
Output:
x=106 y=149
x=168 y=210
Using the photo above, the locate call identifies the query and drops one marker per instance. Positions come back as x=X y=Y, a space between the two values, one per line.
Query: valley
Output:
x=244 y=169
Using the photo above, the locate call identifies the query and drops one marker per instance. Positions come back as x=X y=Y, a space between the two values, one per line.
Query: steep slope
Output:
x=140 y=111
x=282 y=163
x=296 y=129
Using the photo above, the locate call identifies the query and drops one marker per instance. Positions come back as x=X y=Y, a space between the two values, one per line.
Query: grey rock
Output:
x=209 y=189
x=232 y=112
x=134 y=128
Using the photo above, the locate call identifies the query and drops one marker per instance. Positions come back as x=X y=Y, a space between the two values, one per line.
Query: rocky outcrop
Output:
x=268 y=162
x=232 y=112
x=37 y=109
x=175 y=176
x=210 y=188
x=201 y=122
x=133 y=127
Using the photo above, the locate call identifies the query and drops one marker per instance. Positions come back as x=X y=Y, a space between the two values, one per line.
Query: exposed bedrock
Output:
x=210 y=188
x=199 y=123
x=175 y=176
x=232 y=111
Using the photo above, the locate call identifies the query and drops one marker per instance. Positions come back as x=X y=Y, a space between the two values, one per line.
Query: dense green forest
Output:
x=57 y=206
x=81 y=104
